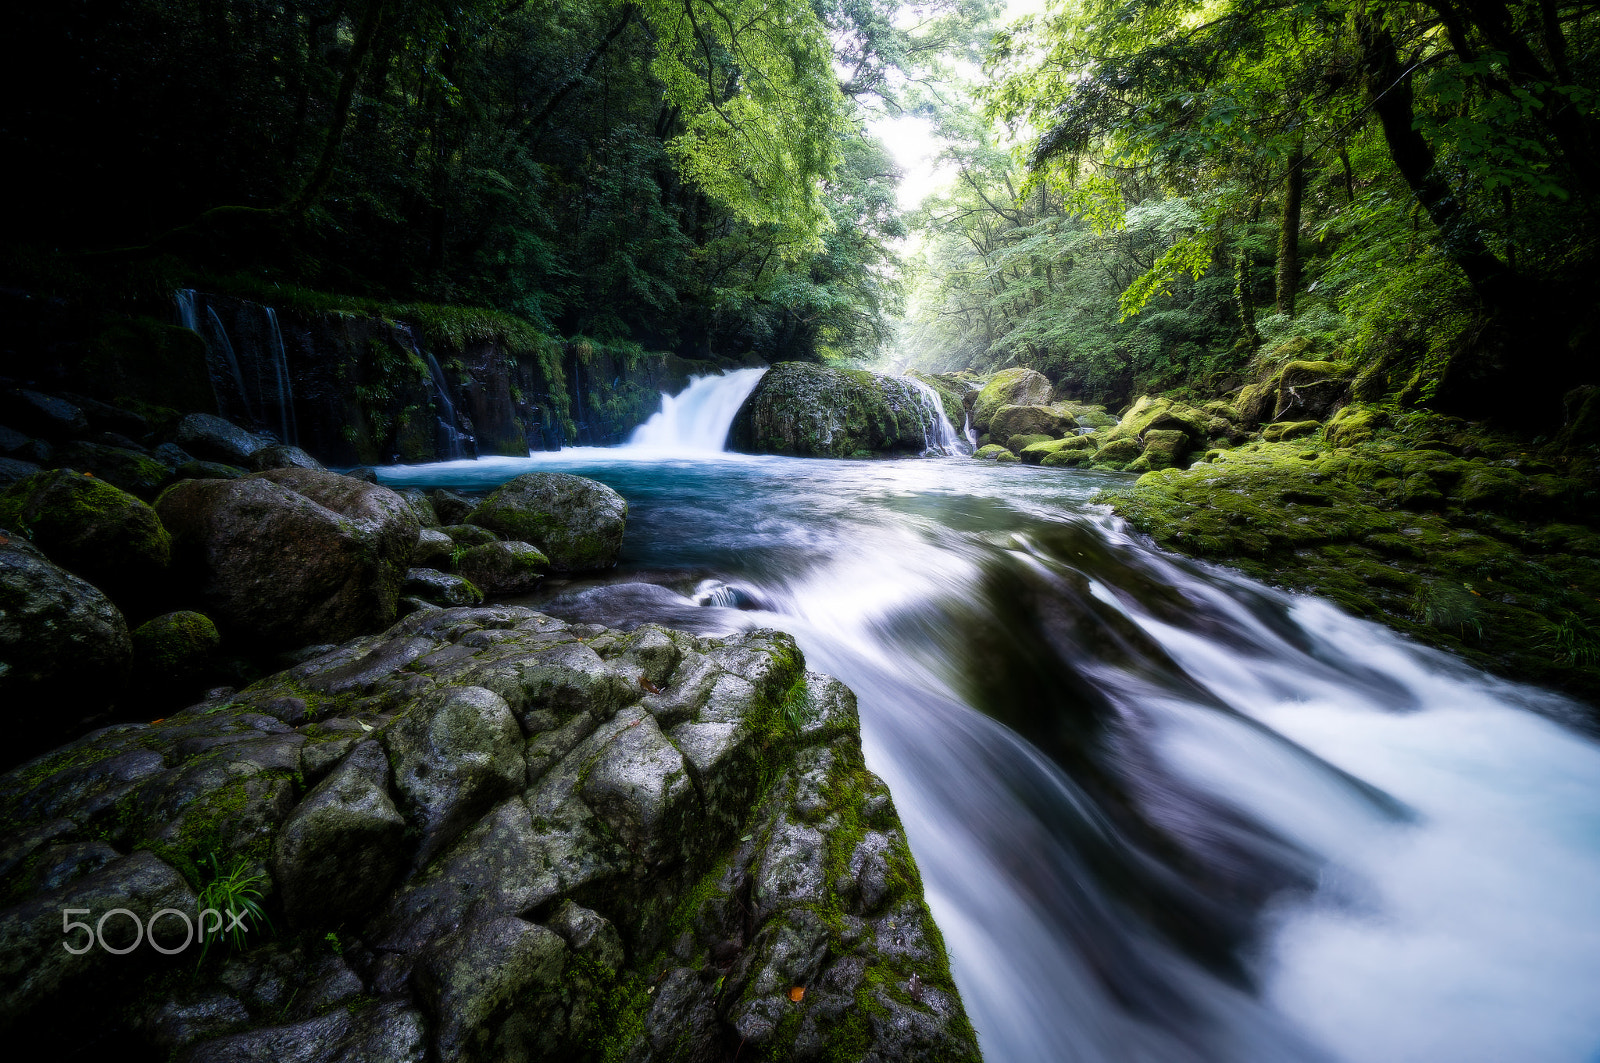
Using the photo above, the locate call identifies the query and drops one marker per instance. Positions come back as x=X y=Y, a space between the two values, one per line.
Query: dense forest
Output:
x=1158 y=196
x=691 y=177
x=1199 y=186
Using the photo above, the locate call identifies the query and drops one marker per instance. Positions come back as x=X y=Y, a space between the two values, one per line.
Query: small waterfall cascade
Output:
x=939 y=436
x=282 y=388
x=250 y=378
x=696 y=420
x=453 y=442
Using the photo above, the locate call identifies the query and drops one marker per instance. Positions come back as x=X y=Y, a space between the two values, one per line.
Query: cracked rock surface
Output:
x=488 y=834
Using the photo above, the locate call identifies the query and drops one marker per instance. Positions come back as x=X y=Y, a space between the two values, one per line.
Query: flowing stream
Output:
x=1162 y=812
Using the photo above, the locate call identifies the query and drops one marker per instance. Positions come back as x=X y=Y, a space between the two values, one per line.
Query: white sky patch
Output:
x=910 y=138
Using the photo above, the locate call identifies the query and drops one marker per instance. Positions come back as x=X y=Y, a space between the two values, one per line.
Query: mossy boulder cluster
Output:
x=815 y=411
x=488 y=834
x=224 y=571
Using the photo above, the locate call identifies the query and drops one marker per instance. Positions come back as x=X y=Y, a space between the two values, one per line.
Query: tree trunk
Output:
x=366 y=33
x=1289 y=231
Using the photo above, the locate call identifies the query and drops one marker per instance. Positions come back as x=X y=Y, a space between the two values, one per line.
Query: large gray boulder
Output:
x=522 y=837
x=291 y=556
x=213 y=439
x=815 y=411
x=64 y=648
x=576 y=522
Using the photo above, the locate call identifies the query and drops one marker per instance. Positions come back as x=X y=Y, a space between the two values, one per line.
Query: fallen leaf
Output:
x=154 y=722
x=797 y=993
x=364 y=726
x=651 y=687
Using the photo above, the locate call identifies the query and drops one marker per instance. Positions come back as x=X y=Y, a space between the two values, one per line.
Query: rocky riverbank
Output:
x=451 y=831
x=1482 y=542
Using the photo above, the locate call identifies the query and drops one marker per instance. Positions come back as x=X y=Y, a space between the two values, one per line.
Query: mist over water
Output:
x=1162 y=812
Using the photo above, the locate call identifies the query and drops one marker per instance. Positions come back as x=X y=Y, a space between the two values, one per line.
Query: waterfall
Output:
x=697 y=419
x=249 y=369
x=938 y=435
x=283 y=390
x=453 y=443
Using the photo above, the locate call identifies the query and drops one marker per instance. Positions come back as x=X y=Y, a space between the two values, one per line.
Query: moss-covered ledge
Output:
x=1454 y=536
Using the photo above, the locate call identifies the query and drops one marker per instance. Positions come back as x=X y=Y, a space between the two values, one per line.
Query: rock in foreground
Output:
x=494 y=835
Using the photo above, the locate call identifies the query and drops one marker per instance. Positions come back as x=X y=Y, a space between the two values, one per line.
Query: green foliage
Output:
x=235 y=892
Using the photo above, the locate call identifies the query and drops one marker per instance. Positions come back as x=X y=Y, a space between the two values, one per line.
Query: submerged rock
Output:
x=522 y=836
x=815 y=411
x=576 y=522
x=291 y=556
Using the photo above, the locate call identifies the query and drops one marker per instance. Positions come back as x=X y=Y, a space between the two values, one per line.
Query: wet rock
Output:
x=994 y=452
x=37 y=972
x=12 y=470
x=390 y=1032
x=1076 y=447
x=451 y=507
x=134 y=472
x=422 y=506
x=174 y=649
x=339 y=853
x=14 y=444
x=588 y=934
x=292 y=555
x=456 y=754
x=1009 y=387
x=468 y=534
x=577 y=522
x=494 y=990
x=91 y=528
x=42 y=415
x=817 y=411
x=503 y=568
x=64 y=648
x=433 y=549
x=282 y=456
x=211 y=438
x=440 y=588
x=177 y=1024
x=1008 y=421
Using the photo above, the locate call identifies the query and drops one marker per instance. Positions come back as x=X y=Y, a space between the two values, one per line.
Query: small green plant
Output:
x=1448 y=607
x=1573 y=641
x=235 y=895
x=333 y=943
x=456 y=555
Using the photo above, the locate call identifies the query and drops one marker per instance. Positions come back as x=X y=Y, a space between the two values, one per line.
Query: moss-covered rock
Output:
x=1080 y=447
x=1117 y=454
x=1446 y=549
x=440 y=588
x=815 y=411
x=1017 y=386
x=1017 y=444
x=1086 y=414
x=1164 y=448
x=578 y=523
x=1355 y=424
x=291 y=556
x=1282 y=430
x=994 y=452
x=531 y=838
x=500 y=569
x=1048 y=421
x=174 y=649
x=64 y=648
x=89 y=527
x=138 y=474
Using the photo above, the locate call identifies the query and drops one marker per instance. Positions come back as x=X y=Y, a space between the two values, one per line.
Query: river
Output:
x=1162 y=812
